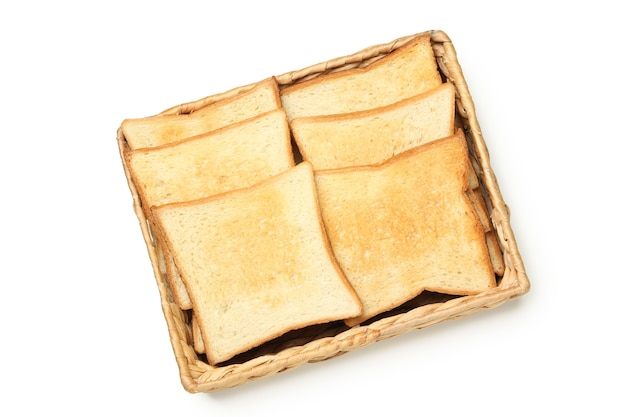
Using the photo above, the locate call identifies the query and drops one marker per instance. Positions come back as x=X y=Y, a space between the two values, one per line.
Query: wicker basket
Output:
x=321 y=342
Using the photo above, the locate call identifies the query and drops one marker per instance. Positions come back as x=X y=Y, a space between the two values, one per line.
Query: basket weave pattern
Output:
x=320 y=343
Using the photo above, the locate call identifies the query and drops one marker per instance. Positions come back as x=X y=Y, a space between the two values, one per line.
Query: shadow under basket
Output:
x=322 y=342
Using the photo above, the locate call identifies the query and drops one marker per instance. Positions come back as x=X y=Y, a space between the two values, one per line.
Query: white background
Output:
x=82 y=327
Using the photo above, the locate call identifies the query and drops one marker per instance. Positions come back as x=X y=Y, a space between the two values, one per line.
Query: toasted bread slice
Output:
x=406 y=226
x=478 y=202
x=369 y=137
x=177 y=285
x=235 y=156
x=408 y=71
x=256 y=262
x=476 y=197
x=198 y=342
x=161 y=129
x=495 y=253
x=169 y=271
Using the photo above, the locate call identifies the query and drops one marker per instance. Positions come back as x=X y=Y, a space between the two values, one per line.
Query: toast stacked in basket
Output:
x=337 y=198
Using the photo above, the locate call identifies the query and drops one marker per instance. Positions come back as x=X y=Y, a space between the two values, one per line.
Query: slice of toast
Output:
x=169 y=271
x=495 y=253
x=177 y=285
x=408 y=71
x=161 y=129
x=196 y=334
x=256 y=262
x=372 y=136
x=235 y=156
x=406 y=226
x=480 y=206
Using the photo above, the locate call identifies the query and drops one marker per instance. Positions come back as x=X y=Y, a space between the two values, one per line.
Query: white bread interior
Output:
x=406 y=226
x=256 y=262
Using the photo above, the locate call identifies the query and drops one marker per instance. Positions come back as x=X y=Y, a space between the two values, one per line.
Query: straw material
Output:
x=322 y=342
